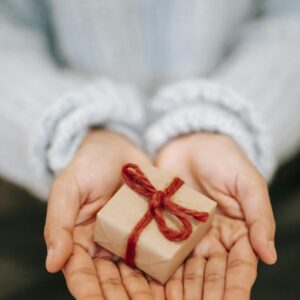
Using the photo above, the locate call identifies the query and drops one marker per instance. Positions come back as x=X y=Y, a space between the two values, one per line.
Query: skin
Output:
x=224 y=263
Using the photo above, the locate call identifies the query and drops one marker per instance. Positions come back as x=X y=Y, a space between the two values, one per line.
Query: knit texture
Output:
x=62 y=127
x=265 y=69
x=197 y=105
x=114 y=55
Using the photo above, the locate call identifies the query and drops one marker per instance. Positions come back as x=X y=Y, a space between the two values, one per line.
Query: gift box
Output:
x=153 y=221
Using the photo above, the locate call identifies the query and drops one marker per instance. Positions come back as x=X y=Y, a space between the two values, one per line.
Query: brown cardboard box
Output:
x=155 y=255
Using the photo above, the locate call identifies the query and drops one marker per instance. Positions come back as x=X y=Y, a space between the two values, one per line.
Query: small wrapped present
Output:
x=153 y=221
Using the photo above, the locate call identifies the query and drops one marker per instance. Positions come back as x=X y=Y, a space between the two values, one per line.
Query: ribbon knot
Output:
x=138 y=182
x=157 y=200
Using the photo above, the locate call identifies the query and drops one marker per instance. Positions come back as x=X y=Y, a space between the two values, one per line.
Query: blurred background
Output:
x=22 y=250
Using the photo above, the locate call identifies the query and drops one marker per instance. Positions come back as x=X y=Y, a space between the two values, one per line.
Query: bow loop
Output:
x=137 y=181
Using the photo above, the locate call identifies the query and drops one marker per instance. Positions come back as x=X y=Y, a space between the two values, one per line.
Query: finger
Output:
x=135 y=283
x=241 y=270
x=110 y=280
x=157 y=289
x=174 y=286
x=63 y=206
x=214 y=278
x=81 y=276
x=254 y=197
x=193 y=277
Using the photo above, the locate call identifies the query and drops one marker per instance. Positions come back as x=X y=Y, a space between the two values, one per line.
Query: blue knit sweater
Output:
x=218 y=65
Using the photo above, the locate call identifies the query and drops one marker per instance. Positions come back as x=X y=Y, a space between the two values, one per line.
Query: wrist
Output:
x=200 y=137
x=101 y=135
x=195 y=144
x=205 y=137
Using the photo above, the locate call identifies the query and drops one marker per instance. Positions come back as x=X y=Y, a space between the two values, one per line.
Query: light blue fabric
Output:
x=151 y=70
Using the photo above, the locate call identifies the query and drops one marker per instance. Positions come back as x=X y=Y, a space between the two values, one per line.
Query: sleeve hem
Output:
x=62 y=128
x=200 y=105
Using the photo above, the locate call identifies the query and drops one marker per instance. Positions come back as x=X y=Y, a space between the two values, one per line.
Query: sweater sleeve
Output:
x=253 y=97
x=265 y=69
x=46 y=110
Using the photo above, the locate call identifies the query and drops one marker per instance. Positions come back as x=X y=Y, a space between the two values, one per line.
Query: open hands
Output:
x=77 y=194
x=217 y=167
x=222 y=264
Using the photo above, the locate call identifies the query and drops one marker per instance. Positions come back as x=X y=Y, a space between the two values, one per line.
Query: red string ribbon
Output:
x=137 y=181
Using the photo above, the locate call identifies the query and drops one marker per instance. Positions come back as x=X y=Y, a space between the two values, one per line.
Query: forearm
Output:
x=30 y=83
x=253 y=97
x=265 y=70
x=202 y=105
x=46 y=111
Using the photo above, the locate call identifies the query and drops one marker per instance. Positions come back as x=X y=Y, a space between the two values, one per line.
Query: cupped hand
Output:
x=224 y=258
x=222 y=266
x=77 y=194
x=224 y=263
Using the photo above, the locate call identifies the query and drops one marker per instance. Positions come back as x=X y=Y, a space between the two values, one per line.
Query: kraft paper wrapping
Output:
x=155 y=255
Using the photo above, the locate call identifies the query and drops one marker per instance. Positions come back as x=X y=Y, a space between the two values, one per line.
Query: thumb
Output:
x=255 y=201
x=63 y=206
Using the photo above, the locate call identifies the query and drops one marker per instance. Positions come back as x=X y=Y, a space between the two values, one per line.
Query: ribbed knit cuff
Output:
x=197 y=105
x=63 y=127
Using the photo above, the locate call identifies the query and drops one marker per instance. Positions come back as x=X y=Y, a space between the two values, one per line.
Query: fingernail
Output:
x=272 y=249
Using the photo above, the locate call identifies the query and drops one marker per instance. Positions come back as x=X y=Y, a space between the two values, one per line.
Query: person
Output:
x=206 y=90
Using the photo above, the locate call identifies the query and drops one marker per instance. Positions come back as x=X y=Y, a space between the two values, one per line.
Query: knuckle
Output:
x=248 y=266
x=144 y=294
x=175 y=278
x=75 y=277
x=237 y=263
x=192 y=276
x=111 y=282
x=134 y=274
x=83 y=271
x=214 y=277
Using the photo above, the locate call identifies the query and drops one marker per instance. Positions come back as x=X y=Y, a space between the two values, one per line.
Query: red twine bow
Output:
x=138 y=182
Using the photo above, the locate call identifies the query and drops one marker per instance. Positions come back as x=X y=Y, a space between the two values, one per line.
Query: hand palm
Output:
x=93 y=265
x=225 y=260
x=82 y=189
x=224 y=263
x=89 y=181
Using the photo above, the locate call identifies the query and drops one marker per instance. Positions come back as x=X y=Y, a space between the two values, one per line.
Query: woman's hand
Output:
x=224 y=259
x=78 y=193
x=222 y=266
x=210 y=163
